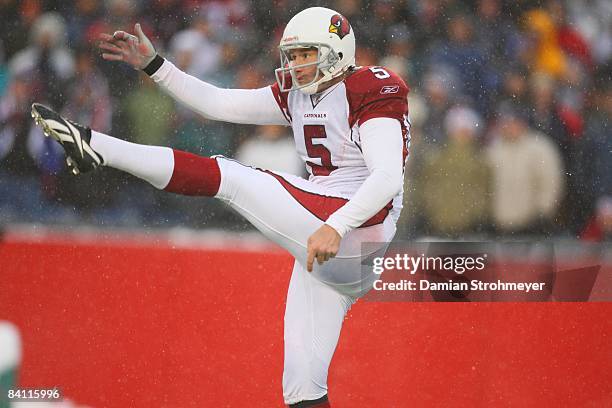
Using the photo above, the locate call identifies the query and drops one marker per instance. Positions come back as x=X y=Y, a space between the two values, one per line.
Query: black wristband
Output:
x=154 y=65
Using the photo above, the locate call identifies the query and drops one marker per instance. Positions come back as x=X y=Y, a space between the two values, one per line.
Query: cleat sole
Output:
x=72 y=166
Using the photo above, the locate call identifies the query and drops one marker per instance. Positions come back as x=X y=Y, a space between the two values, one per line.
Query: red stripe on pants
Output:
x=323 y=206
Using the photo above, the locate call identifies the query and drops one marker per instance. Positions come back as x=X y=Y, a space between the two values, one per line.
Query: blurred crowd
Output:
x=509 y=105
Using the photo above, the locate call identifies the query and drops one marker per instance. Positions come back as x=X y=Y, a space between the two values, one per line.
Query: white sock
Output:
x=153 y=164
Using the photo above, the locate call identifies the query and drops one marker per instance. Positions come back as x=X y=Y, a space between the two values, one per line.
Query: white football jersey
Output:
x=327 y=130
x=326 y=126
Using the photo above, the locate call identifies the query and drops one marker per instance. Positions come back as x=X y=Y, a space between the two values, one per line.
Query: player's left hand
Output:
x=322 y=245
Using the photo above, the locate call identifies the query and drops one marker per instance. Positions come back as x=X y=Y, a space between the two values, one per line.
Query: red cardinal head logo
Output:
x=339 y=26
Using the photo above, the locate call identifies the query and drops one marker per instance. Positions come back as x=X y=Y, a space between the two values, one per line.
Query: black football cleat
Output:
x=73 y=137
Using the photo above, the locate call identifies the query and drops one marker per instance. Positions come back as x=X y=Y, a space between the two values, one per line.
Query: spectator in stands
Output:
x=514 y=84
x=382 y=16
x=204 y=137
x=599 y=129
x=544 y=115
x=226 y=73
x=46 y=60
x=604 y=217
x=431 y=19
x=83 y=17
x=399 y=52
x=527 y=175
x=412 y=221
x=17 y=17
x=167 y=16
x=41 y=70
x=495 y=33
x=439 y=89
x=564 y=123
x=15 y=126
x=569 y=39
x=544 y=49
x=461 y=54
x=353 y=11
x=195 y=50
x=272 y=148
x=121 y=13
x=368 y=56
x=118 y=14
x=88 y=99
x=593 y=21
x=150 y=113
x=456 y=179
x=500 y=41
x=599 y=132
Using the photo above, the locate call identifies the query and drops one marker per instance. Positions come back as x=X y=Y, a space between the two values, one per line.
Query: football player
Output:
x=351 y=129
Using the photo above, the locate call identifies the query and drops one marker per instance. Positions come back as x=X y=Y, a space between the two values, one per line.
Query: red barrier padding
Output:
x=151 y=326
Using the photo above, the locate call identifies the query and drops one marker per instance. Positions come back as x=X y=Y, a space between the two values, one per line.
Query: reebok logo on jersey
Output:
x=389 y=89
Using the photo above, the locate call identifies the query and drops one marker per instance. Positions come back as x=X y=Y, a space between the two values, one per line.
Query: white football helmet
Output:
x=327 y=31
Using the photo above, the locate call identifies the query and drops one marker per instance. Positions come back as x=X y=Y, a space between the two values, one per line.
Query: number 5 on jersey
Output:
x=317 y=150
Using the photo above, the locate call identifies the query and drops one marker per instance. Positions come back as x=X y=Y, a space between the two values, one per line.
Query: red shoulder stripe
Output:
x=281 y=100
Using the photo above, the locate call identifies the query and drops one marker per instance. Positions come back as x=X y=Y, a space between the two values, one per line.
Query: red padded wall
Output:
x=125 y=325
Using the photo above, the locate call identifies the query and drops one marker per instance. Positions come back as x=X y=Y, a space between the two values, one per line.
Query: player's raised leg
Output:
x=255 y=194
x=285 y=208
x=87 y=149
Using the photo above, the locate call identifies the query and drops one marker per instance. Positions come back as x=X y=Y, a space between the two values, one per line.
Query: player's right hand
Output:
x=322 y=245
x=136 y=50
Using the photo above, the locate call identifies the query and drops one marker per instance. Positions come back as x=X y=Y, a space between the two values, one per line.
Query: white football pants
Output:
x=316 y=302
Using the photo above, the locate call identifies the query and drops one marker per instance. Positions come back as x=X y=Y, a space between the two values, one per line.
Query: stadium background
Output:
x=126 y=296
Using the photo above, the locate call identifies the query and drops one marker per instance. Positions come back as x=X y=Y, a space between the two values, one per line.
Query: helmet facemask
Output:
x=326 y=63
